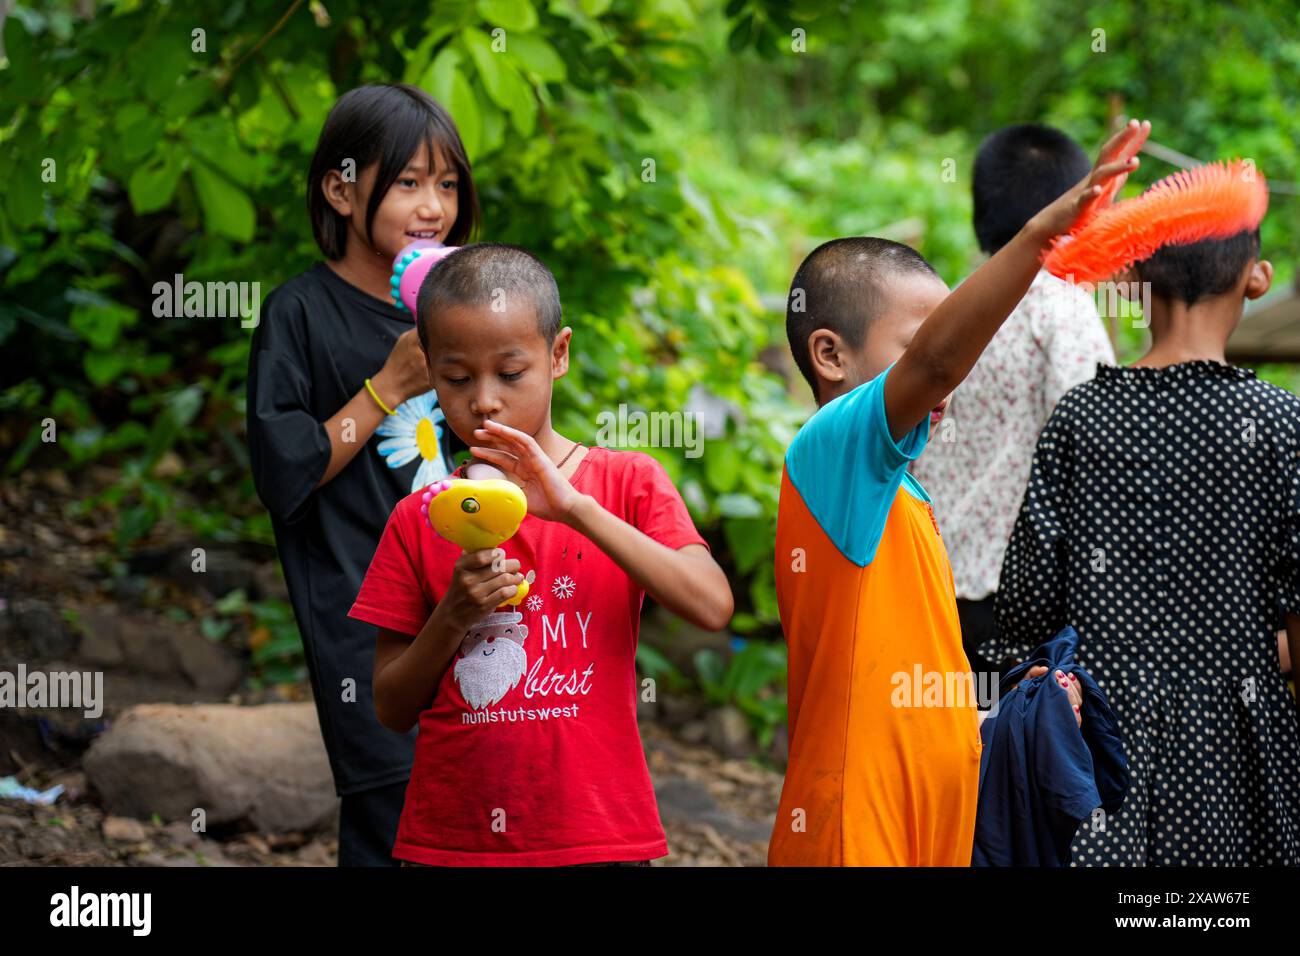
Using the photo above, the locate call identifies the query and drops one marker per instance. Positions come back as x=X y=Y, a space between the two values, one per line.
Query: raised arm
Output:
x=951 y=339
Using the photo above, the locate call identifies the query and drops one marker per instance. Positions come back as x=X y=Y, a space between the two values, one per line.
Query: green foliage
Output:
x=671 y=160
x=752 y=679
x=276 y=647
x=653 y=664
x=170 y=155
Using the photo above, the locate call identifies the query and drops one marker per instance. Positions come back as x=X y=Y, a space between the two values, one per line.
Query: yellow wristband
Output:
x=378 y=401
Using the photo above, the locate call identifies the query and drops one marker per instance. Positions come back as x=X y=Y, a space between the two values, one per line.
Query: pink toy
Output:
x=411 y=266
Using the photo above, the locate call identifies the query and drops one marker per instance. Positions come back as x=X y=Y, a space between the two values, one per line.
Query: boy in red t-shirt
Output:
x=528 y=751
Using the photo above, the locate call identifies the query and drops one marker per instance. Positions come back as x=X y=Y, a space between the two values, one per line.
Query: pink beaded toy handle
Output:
x=410 y=268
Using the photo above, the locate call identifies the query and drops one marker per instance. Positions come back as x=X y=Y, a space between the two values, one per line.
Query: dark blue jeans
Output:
x=368 y=825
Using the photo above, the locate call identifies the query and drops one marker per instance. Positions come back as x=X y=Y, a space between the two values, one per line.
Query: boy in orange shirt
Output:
x=863 y=582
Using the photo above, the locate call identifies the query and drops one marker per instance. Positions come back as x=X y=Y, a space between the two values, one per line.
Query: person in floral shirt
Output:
x=977 y=465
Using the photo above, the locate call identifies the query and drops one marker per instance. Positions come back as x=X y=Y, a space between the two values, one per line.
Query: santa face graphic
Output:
x=492 y=659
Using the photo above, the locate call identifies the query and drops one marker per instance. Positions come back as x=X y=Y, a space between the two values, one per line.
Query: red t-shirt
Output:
x=529 y=753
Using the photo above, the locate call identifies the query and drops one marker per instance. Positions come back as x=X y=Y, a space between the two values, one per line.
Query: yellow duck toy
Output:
x=478 y=513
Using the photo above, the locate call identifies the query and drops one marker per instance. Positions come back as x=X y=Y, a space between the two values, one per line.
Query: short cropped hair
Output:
x=1199 y=270
x=1018 y=171
x=478 y=275
x=839 y=287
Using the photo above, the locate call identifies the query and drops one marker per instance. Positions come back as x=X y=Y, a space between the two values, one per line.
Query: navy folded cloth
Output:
x=1040 y=773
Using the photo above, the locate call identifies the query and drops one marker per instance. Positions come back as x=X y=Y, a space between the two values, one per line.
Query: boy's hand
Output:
x=1125 y=144
x=476 y=590
x=550 y=496
x=1086 y=198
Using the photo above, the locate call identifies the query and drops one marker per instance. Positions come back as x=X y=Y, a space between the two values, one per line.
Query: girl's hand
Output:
x=405 y=373
x=550 y=496
x=1074 y=691
x=1068 y=683
x=1086 y=198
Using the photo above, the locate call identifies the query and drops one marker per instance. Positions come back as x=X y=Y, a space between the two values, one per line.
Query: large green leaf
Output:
x=23 y=74
x=227 y=210
x=538 y=57
x=511 y=14
x=446 y=81
x=153 y=184
x=504 y=85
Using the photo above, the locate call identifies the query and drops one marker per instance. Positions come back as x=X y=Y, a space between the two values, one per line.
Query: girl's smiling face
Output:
x=422 y=203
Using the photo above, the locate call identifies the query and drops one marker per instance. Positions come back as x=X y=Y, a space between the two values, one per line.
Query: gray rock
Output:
x=182 y=833
x=101 y=642
x=41 y=841
x=266 y=765
x=675 y=710
x=729 y=732
x=124 y=830
x=208 y=665
x=224 y=571
x=679 y=641
x=168 y=649
x=316 y=853
x=43 y=629
x=688 y=802
x=147 y=647
x=694 y=732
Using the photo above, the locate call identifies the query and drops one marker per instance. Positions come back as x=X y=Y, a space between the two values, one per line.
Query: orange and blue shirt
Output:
x=865 y=590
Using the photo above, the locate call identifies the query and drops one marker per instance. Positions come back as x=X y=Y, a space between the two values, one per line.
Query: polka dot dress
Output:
x=1162 y=521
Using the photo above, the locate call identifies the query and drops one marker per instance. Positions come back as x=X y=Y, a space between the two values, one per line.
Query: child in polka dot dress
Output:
x=1162 y=521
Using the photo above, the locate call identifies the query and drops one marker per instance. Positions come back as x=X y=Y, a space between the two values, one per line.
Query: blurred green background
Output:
x=771 y=126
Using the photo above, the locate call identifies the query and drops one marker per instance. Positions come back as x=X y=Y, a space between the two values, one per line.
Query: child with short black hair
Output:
x=976 y=468
x=528 y=752
x=863 y=584
x=334 y=368
x=1162 y=521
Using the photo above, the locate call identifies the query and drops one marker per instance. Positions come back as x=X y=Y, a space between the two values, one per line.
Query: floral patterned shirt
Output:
x=976 y=465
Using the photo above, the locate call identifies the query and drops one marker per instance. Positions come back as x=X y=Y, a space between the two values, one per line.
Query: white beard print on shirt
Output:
x=494 y=661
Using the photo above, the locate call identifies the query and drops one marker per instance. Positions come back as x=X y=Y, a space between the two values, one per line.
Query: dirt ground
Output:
x=716 y=812
x=62 y=588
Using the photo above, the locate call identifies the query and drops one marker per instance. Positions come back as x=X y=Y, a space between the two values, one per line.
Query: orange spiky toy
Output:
x=1209 y=202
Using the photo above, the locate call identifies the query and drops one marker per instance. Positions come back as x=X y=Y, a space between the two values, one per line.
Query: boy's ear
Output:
x=1259 y=278
x=560 y=352
x=826 y=349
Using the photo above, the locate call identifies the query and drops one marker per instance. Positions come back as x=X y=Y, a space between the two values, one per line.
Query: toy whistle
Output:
x=478 y=513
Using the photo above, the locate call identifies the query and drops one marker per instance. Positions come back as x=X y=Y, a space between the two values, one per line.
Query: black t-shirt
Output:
x=318 y=339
